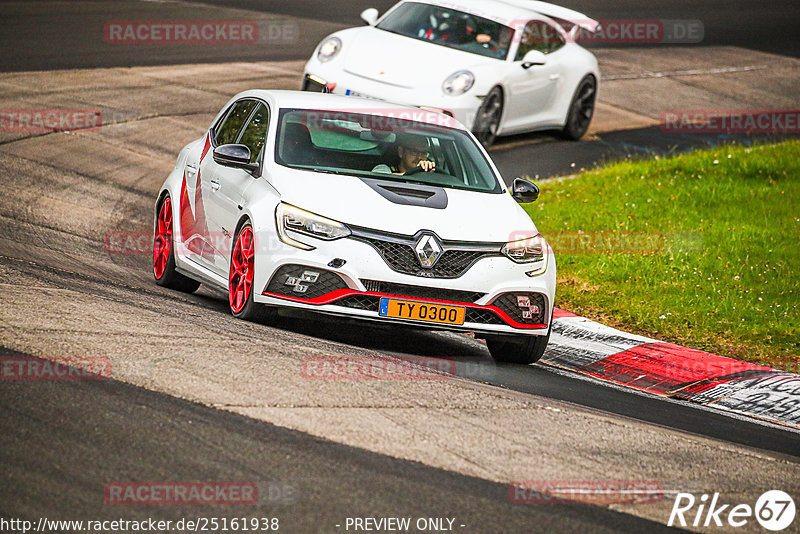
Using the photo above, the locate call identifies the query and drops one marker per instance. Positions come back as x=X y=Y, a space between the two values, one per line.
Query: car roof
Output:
x=286 y=99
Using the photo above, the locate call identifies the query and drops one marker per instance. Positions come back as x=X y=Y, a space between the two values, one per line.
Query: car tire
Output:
x=240 y=279
x=487 y=120
x=527 y=349
x=164 y=253
x=581 y=109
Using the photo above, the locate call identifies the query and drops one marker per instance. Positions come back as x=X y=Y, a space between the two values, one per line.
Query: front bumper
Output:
x=463 y=108
x=365 y=277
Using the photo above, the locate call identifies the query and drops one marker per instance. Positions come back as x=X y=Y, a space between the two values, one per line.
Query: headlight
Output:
x=458 y=83
x=533 y=250
x=329 y=48
x=291 y=219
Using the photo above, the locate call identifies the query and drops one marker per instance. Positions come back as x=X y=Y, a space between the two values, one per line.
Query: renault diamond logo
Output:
x=428 y=250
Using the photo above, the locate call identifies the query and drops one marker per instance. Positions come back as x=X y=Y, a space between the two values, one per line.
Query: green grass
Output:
x=712 y=259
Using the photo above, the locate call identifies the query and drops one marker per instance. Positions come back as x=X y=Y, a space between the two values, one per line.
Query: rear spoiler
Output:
x=563 y=15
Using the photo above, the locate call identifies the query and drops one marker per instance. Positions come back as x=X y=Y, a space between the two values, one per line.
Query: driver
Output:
x=413 y=153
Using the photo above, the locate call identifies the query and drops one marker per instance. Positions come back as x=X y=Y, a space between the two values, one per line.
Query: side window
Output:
x=255 y=134
x=538 y=35
x=227 y=130
x=557 y=41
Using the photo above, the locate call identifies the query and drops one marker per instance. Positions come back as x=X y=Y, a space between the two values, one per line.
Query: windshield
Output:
x=378 y=146
x=451 y=28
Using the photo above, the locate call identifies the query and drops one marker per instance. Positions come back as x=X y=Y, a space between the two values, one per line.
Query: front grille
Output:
x=422 y=292
x=304 y=282
x=402 y=258
x=511 y=304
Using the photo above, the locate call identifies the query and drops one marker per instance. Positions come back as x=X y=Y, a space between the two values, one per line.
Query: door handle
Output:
x=554 y=76
x=215 y=185
x=191 y=171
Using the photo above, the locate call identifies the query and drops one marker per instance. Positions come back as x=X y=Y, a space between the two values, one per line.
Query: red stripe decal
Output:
x=193 y=224
x=205 y=151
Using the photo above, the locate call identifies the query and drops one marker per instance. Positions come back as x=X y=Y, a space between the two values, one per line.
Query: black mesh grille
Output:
x=360 y=302
x=510 y=303
x=422 y=292
x=482 y=316
x=454 y=263
x=304 y=276
x=402 y=258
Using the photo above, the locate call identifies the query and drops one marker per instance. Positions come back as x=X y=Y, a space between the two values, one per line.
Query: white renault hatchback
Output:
x=498 y=66
x=360 y=209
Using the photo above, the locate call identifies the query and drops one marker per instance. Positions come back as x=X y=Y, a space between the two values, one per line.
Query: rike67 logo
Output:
x=774 y=510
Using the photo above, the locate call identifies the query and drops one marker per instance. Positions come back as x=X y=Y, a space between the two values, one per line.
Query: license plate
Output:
x=422 y=311
x=350 y=92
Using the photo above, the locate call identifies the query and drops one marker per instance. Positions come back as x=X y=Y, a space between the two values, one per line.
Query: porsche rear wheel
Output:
x=487 y=121
x=164 y=253
x=581 y=109
x=240 y=279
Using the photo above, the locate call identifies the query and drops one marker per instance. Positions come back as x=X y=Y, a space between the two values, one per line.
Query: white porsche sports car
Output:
x=498 y=66
x=360 y=209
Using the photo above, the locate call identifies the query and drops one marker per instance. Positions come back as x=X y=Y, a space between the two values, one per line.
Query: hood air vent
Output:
x=429 y=196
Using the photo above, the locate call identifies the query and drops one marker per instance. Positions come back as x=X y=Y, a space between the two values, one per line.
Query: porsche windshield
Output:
x=395 y=148
x=451 y=28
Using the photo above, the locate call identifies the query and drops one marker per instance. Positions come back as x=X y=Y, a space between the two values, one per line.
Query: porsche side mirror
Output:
x=370 y=16
x=235 y=156
x=533 y=57
x=524 y=191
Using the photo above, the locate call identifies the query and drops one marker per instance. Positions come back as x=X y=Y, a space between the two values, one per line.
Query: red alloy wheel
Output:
x=162 y=245
x=240 y=282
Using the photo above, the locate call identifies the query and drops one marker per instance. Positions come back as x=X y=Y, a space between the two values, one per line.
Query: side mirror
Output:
x=533 y=57
x=370 y=16
x=235 y=156
x=524 y=191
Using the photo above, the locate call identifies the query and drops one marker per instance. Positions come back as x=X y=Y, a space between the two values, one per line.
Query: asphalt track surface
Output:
x=106 y=430
x=69 y=439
